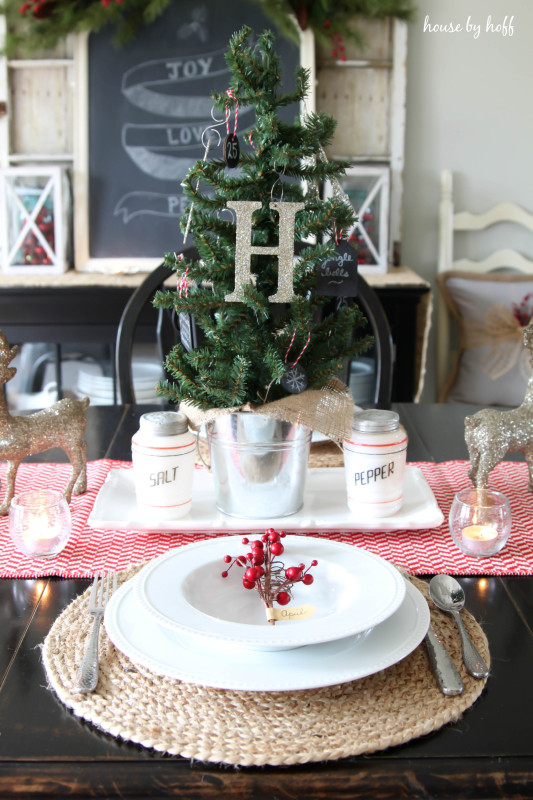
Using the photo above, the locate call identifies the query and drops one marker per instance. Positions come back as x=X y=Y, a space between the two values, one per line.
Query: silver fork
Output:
x=87 y=676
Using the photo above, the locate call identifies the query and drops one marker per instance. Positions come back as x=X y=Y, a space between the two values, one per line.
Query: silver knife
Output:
x=449 y=680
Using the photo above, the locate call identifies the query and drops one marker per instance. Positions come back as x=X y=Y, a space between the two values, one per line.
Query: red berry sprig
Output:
x=523 y=311
x=41 y=9
x=264 y=572
x=337 y=42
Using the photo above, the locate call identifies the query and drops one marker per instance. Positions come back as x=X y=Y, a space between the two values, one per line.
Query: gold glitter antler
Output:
x=7 y=354
x=61 y=425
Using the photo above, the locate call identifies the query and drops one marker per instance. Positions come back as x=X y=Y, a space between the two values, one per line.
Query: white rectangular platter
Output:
x=325 y=507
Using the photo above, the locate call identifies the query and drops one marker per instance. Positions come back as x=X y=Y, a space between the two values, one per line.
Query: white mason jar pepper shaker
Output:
x=163 y=455
x=374 y=463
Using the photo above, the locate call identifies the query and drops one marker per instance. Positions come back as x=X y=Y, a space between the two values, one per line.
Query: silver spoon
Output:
x=449 y=596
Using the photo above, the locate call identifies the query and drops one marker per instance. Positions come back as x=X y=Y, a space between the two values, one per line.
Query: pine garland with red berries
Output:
x=332 y=21
x=41 y=24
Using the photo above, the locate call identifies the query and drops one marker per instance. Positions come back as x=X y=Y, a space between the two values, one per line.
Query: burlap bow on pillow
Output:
x=503 y=332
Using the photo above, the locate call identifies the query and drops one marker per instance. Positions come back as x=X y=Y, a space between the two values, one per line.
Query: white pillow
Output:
x=492 y=365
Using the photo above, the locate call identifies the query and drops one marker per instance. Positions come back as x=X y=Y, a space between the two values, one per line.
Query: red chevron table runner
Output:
x=421 y=551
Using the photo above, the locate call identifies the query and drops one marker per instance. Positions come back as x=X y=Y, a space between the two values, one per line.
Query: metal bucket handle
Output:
x=206 y=465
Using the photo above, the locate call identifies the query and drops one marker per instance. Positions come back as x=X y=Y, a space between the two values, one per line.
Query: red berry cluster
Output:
x=32 y=251
x=523 y=311
x=265 y=573
x=337 y=42
x=40 y=9
x=357 y=240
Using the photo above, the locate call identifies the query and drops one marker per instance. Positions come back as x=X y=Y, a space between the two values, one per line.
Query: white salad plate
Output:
x=324 y=508
x=184 y=591
x=212 y=664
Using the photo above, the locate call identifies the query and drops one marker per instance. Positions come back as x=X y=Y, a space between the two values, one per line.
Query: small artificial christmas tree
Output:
x=251 y=343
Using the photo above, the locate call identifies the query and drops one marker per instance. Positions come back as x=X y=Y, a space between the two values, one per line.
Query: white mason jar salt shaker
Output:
x=163 y=455
x=374 y=463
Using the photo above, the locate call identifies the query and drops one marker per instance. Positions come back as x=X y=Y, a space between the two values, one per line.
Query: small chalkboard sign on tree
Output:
x=337 y=274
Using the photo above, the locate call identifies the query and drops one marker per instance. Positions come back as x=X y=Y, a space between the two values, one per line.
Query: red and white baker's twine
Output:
x=338 y=235
x=304 y=348
x=182 y=282
x=250 y=138
x=229 y=92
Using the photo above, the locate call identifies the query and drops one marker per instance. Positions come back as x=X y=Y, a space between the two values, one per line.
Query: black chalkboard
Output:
x=149 y=103
x=337 y=275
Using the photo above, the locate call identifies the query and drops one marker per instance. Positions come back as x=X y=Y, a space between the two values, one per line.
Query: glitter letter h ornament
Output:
x=244 y=248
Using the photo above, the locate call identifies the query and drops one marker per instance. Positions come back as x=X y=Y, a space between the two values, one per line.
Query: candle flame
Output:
x=38 y=528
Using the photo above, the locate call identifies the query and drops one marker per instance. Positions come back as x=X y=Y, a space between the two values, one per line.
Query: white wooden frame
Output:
x=397 y=140
x=39 y=64
x=82 y=258
x=449 y=223
x=382 y=188
x=308 y=61
x=395 y=153
x=55 y=188
x=4 y=97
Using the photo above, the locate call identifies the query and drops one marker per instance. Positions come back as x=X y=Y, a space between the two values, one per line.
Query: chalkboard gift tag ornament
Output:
x=232 y=150
x=337 y=274
x=295 y=379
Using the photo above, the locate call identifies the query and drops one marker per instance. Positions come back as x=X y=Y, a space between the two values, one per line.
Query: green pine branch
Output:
x=246 y=348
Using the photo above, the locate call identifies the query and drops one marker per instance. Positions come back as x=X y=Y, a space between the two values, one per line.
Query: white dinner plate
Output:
x=222 y=667
x=325 y=507
x=353 y=591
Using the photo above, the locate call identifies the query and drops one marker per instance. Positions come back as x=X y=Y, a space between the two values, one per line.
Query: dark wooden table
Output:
x=46 y=751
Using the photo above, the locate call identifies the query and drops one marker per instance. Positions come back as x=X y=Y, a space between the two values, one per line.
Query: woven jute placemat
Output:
x=256 y=728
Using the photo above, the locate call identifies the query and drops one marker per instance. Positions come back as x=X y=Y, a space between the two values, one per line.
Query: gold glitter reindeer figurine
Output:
x=490 y=434
x=61 y=425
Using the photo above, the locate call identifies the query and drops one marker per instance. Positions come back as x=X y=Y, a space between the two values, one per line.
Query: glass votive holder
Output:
x=480 y=522
x=39 y=523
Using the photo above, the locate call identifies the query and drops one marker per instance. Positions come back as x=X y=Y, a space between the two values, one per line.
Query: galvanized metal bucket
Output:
x=259 y=465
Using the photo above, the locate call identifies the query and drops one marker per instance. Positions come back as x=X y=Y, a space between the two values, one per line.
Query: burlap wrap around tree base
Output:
x=257 y=728
x=328 y=410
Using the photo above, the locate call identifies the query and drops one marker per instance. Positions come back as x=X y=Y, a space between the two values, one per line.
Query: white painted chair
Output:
x=451 y=222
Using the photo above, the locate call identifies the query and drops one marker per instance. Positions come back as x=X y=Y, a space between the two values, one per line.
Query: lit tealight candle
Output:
x=39 y=523
x=479 y=539
x=38 y=531
x=480 y=522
